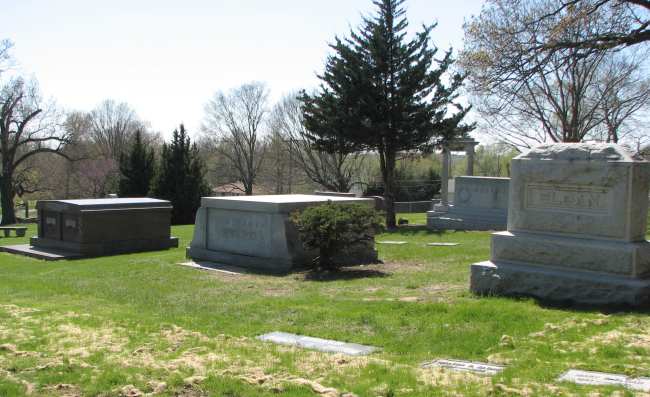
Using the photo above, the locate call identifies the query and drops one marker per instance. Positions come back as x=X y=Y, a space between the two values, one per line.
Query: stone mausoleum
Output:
x=576 y=228
x=480 y=203
x=256 y=232
x=98 y=227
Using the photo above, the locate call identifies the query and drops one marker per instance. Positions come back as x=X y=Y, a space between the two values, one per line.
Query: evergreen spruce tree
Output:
x=181 y=177
x=381 y=92
x=137 y=169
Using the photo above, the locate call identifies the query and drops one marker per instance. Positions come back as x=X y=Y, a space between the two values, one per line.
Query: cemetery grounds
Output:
x=140 y=324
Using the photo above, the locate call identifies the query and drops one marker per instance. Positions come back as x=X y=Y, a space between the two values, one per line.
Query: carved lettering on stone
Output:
x=571 y=198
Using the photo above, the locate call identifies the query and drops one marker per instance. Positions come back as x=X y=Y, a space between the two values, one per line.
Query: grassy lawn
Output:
x=109 y=326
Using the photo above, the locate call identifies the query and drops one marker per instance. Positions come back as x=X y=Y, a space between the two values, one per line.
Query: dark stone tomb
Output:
x=98 y=227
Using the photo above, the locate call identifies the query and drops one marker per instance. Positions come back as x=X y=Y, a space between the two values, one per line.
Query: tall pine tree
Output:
x=137 y=169
x=181 y=177
x=381 y=92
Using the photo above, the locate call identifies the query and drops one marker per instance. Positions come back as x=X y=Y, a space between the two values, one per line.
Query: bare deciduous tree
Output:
x=627 y=24
x=234 y=120
x=5 y=56
x=28 y=126
x=625 y=90
x=112 y=126
x=333 y=171
x=525 y=97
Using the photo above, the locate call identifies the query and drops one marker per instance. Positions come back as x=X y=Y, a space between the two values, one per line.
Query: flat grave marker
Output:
x=466 y=366
x=391 y=242
x=442 y=244
x=323 y=345
x=604 y=379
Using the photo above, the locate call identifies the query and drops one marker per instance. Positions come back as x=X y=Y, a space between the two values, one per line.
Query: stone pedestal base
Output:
x=105 y=247
x=464 y=218
x=558 y=285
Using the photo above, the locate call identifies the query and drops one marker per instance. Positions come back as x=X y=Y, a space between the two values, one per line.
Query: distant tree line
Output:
x=534 y=71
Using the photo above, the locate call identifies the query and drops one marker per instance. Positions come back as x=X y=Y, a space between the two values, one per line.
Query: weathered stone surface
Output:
x=581 y=190
x=47 y=254
x=559 y=285
x=480 y=203
x=615 y=257
x=576 y=228
x=605 y=379
x=256 y=232
x=96 y=227
x=466 y=366
x=324 y=345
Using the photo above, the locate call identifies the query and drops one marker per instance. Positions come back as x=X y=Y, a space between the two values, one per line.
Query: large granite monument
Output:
x=576 y=228
x=97 y=227
x=480 y=203
x=256 y=232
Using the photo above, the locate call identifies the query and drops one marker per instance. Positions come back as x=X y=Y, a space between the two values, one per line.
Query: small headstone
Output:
x=442 y=244
x=390 y=242
x=323 y=345
x=605 y=379
x=466 y=366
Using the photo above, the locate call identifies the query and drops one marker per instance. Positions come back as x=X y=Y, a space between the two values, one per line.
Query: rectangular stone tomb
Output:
x=480 y=203
x=576 y=228
x=97 y=227
x=466 y=366
x=604 y=379
x=323 y=345
x=255 y=232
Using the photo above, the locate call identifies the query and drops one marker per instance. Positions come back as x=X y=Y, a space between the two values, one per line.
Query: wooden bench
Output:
x=20 y=230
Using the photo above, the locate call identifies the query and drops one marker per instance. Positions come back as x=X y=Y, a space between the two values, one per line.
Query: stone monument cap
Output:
x=103 y=203
x=278 y=203
x=579 y=151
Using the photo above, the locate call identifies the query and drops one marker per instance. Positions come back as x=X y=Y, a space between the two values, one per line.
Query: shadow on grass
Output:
x=343 y=274
x=416 y=229
x=568 y=305
x=585 y=308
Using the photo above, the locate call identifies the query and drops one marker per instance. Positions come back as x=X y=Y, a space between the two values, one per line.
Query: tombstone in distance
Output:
x=255 y=232
x=576 y=228
x=97 y=227
x=480 y=203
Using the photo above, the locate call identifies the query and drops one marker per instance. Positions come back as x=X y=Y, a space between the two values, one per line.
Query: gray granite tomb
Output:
x=256 y=232
x=576 y=228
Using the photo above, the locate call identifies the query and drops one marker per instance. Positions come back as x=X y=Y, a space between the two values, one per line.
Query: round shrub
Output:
x=332 y=228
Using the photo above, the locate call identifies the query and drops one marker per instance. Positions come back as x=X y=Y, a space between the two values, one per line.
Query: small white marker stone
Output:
x=442 y=244
x=466 y=366
x=604 y=379
x=389 y=242
x=323 y=345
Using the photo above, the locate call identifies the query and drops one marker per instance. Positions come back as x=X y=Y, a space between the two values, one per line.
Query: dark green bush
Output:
x=332 y=228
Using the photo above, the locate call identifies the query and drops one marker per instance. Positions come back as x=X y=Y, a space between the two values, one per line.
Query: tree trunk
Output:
x=7 y=200
x=387 y=162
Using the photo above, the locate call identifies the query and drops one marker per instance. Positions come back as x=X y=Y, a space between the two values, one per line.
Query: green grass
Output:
x=419 y=218
x=98 y=325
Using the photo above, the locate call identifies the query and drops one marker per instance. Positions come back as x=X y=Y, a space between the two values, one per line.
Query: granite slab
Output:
x=323 y=345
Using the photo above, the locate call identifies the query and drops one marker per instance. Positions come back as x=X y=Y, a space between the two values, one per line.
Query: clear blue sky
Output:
x=167 y=58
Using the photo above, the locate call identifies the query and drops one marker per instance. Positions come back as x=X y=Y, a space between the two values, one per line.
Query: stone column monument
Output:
x=468 y=146
x=576 y=228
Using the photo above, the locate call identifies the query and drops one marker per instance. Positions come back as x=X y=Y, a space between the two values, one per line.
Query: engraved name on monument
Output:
x=241 y=232
x=571 y=198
